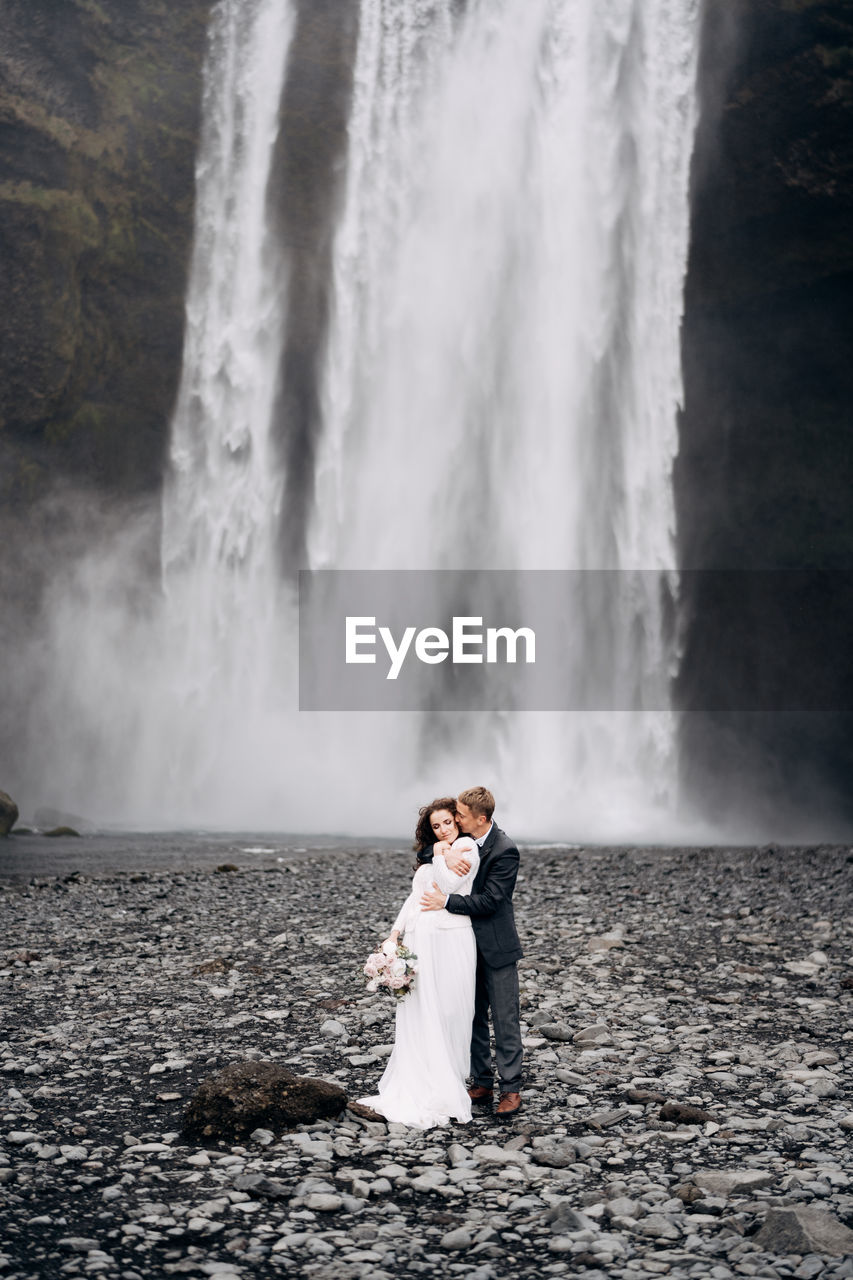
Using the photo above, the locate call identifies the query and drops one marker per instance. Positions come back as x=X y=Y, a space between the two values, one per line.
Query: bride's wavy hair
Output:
x=424 y=834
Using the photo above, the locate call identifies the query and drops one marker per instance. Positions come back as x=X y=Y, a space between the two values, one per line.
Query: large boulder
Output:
x=8 y=813
x=802 y=1229
x=258 y=1095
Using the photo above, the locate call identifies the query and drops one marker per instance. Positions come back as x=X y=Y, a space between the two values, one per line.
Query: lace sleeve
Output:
x=448 y=881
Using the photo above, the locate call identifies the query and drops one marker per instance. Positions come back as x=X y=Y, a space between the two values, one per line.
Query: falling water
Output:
x=500 y=389
x=222 y=496
x=503 y=373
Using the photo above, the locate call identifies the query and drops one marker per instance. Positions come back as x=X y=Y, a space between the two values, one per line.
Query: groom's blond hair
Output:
x=478 y=800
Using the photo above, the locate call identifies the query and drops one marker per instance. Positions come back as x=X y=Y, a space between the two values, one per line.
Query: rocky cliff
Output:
x=99 y=113
x=765 y=473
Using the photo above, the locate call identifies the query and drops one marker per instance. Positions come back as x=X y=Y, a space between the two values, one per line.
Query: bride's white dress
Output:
x=424 y=1082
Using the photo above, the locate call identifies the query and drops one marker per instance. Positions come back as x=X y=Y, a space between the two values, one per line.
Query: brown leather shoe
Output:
x=509 y=1105
x=480 y=1095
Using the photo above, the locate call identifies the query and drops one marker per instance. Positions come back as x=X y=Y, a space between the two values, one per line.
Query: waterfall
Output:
x=503 y=372
x=499 y=389
x=222 y=496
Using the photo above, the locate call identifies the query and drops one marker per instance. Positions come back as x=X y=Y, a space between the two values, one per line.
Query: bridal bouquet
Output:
x=391 y=967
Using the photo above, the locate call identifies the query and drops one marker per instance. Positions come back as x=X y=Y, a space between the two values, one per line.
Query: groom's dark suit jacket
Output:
x=489 y=904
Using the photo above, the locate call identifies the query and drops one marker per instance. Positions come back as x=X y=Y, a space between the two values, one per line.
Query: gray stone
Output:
x=258 y=1184
x=803 y=1229
x=719 y=1182
x=490 y=1153
x=556 y=1031
x=605 y=942
x=598 y=1033
x=8 y=813
x=562 y=1218
x=659 y=1227
x=555 y=1152
x=333 y=1029
x=604 y=1119
x=323 y=1202
x=623 y=1207
x=263 y=1137
x=461 y=1238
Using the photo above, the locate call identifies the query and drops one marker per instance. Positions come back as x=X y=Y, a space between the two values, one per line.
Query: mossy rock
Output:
x=258 y=1095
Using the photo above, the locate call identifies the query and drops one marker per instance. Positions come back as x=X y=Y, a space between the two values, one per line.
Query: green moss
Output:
x=88 y=420
x=839 y=58
x=98 y=241
x=95 y=11
x=66 y=211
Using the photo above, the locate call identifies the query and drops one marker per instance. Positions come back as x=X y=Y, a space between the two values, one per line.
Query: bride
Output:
x=424 y=1082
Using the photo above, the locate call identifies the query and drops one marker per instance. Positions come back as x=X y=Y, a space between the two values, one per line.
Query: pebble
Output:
x=458 y=1239
x=685 y=1081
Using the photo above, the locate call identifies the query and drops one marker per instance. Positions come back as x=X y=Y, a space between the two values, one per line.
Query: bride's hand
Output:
x=442 y=847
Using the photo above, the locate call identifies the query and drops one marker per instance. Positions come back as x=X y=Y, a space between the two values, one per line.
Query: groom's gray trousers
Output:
x=497 y=989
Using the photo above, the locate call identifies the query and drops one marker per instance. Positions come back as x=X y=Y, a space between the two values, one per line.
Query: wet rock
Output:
x=258 y=1184
x=333 y=1029
x=597 y=1034
x=62 y=831
x=461 y=1238
x=605 y=942
x=555 y=1152
x=323 y=1202
x=555 y=1031
x=562 y=1219
x=660 y=1227
x=804 y=1229
x=114 y=982
x=681 y=1113
x=644 y=1095
x=721 y=1182
x=8 y=813
x=604 y=1119
x=252 y=1095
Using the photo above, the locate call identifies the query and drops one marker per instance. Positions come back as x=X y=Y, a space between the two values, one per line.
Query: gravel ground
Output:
x=717 y=979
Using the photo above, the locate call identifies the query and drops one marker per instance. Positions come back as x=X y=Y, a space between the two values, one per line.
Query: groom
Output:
x=498 y=949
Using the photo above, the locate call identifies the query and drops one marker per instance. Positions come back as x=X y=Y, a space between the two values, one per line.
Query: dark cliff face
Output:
x=764 y=479
x=99 y=115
